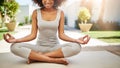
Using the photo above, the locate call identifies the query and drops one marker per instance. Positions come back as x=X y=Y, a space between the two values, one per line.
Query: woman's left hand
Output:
x=83 y=40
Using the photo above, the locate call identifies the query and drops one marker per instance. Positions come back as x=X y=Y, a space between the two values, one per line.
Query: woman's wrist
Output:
x=76 y=40
x=16 y=40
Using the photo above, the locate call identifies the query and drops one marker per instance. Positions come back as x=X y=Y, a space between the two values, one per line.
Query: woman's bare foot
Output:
x=57 y=60
x=30 y=61
x=61 y=61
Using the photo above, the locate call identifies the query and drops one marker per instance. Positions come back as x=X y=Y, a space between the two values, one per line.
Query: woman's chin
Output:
x=48 y=7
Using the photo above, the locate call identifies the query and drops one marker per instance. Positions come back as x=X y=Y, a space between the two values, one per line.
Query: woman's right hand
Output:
x=9 y=38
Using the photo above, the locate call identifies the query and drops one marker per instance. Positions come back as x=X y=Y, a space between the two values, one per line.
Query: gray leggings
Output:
x=24 y=49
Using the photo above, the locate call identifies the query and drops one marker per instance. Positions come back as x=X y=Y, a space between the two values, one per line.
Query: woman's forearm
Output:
x=67 y=38
x=26 y=38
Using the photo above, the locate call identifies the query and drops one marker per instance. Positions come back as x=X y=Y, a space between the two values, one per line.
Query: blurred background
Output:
x=104 y=16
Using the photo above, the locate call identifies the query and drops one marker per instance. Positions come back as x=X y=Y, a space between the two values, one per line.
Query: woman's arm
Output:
x=65 y=37
x=29 y=37
x=33 y=33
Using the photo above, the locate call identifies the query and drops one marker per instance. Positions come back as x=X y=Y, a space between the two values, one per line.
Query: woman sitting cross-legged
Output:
x=47 y=21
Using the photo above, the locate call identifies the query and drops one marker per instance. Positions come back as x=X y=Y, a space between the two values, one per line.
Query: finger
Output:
x=10 y=35
x=88 y=37
x=81 y=38
x=85 y=36
x=87 y=40
x=5 y=37
x=81 y=41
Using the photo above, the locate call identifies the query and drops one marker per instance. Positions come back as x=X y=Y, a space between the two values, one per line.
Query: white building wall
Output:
x=71 y=12
x=23 y=11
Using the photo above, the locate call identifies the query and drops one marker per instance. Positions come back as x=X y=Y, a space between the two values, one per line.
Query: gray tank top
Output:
x=47 y=30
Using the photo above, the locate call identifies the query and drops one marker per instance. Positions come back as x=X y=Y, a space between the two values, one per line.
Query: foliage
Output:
x=1 y=2
x=3 y=31
x=1 y=7
x=84 y=15
x=9 y=8
x=21 y=24
x=26 y=19
x=2 y=10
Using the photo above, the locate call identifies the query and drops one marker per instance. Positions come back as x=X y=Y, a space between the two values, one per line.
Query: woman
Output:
x=48 y=20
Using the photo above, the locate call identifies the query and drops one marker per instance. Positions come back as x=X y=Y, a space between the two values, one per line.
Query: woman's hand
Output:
x=9 y=38
x=83 y=40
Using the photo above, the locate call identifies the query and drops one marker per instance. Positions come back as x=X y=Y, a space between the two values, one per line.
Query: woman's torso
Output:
x=47 y=30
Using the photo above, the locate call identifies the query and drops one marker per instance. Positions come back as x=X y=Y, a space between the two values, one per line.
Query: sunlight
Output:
x=98 y=1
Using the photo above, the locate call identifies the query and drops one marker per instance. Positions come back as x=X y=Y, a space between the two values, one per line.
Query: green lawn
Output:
x=3 y=31
x=107 y=36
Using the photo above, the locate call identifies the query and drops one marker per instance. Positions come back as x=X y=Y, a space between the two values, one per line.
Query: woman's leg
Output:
x=24 y=50
x=55 y=54
x=67 y=50
x=41 y=57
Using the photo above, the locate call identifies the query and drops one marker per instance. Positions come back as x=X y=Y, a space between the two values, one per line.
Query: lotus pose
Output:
x=46 y=21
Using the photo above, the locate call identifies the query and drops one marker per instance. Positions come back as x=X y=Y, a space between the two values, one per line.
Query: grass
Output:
x=107 y=36
x=3 y=31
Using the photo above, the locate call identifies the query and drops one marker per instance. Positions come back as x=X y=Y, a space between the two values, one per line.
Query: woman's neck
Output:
x=48 y=10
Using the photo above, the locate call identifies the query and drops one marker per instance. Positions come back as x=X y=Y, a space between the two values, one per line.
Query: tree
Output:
x=8 y=8
x=1 y=2
x=88 y=4
x=84 y=15
x=1 y=12
x=11 y=8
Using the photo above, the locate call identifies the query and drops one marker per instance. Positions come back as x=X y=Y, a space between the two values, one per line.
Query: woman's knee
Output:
x=19 y=49
x=72 y=49
x=76 y=48
x=14 y=47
